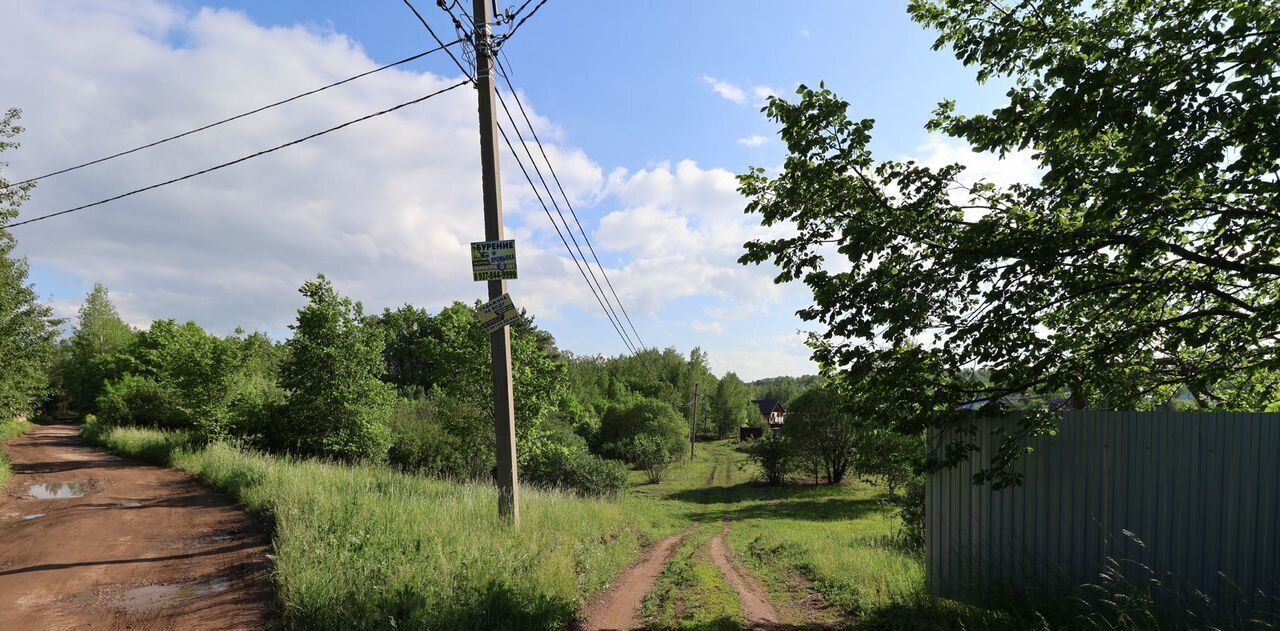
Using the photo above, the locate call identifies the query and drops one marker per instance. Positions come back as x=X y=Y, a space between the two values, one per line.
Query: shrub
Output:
x=137 y=400
x=577 y=470
x=652 y=454
x=337 y=405
x=774 y=455
x=658 y=422
x=441 y=436
x=910 y=508
x=821 y=427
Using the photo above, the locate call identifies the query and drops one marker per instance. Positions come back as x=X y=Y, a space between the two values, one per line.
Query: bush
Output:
x=337 y=406
x=774 y=455
x=652 y=454
x=576 y=470
x=137 y=400
x=441 y=436
x=658 y=422
x=910 y=508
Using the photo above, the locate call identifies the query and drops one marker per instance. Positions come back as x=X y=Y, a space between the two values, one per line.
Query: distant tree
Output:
x=1142 y=262
x=821 y=427
x=99 y=349
x=338 y=405
x=776 y=457
x=28 y=329
x=784 y=389
x=730 y=405
x=624 y=423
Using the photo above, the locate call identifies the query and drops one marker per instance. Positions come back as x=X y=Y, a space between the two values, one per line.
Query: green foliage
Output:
x=366 y=547
x=441 y=436
x=651 y=453
x=820 y=426
x=730 y=406
x=99 y=348
x=27 y=327
x=775 y=456
x=649 y=418
x=1142 y=262
x=784 y=389
x=910 y=507
x=139 y=400
x=574 y=470
x=337 y=405
x=8 y=430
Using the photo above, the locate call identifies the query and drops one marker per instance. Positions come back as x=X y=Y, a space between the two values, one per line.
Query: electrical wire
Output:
x=236 y=161
x=546 y=210
x=335 y=84
x=616 y=325
x=506 y=77
x=533 y=162
x=515 y=28
x=438 y=40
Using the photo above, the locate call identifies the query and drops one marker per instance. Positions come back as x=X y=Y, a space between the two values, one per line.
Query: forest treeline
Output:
x=407 y=386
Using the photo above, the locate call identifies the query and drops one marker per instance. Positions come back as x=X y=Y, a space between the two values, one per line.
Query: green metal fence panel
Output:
x=1191 y=499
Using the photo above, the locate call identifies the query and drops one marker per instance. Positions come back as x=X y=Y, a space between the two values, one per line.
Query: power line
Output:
x=236 y=161
x=335 y=84
x=506 y=77
x=546 y=210
x=533 y=161
x=439 y=41
x=616 y=325
x=515 y=28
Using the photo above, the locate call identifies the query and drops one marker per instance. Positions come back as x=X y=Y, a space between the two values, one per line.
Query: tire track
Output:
x=619 y=608
x=756 y=607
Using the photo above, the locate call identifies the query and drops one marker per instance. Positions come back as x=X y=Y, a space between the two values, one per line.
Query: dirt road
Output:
x=122 y=545
x=619 y=608
x=759 y=612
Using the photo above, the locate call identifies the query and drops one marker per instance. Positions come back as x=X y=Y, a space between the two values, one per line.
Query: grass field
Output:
x=799 y=539
x=8 y=430
x=366 y=547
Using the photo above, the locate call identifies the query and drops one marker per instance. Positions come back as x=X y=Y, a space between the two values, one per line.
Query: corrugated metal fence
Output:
x=1189 y=495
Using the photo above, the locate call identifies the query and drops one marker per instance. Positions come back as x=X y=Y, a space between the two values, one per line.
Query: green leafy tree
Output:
x=338 y=406
x=1143 y=261
x=99 y=349
x=775 y=455
x=28 y=329
x=821 y=428
x=622 y=424
x=730 y=405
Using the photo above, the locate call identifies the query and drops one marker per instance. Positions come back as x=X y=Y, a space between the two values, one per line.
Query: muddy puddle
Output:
x=58 y=490
x=152 y=597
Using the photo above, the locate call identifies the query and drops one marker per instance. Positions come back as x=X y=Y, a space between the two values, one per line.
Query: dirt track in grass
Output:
x=122 y=545
x=618 y=609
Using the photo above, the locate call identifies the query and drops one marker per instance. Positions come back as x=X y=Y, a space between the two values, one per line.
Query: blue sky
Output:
x=649 y=106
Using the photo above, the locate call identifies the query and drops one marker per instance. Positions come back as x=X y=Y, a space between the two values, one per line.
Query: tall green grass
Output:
x=9 y=430
x=364 y=547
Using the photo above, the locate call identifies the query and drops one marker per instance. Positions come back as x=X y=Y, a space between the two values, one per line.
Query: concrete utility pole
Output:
x=504 y=412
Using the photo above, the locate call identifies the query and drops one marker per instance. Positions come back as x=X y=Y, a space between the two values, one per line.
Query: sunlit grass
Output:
x=9 y=430
x=368 y=547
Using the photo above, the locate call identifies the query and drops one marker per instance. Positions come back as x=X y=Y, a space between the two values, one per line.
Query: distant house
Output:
x=772 y=414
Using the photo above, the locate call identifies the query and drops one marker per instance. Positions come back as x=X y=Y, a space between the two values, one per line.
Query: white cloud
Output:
x=386 y=208
x=726 y=90
x=754 y=140
x=1018 y=167
x=763 y=92
x=804 y=33
x=684 y=227
x=713 y=327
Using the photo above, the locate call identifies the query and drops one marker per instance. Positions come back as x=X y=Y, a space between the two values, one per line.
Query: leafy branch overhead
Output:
x=1143 y=263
